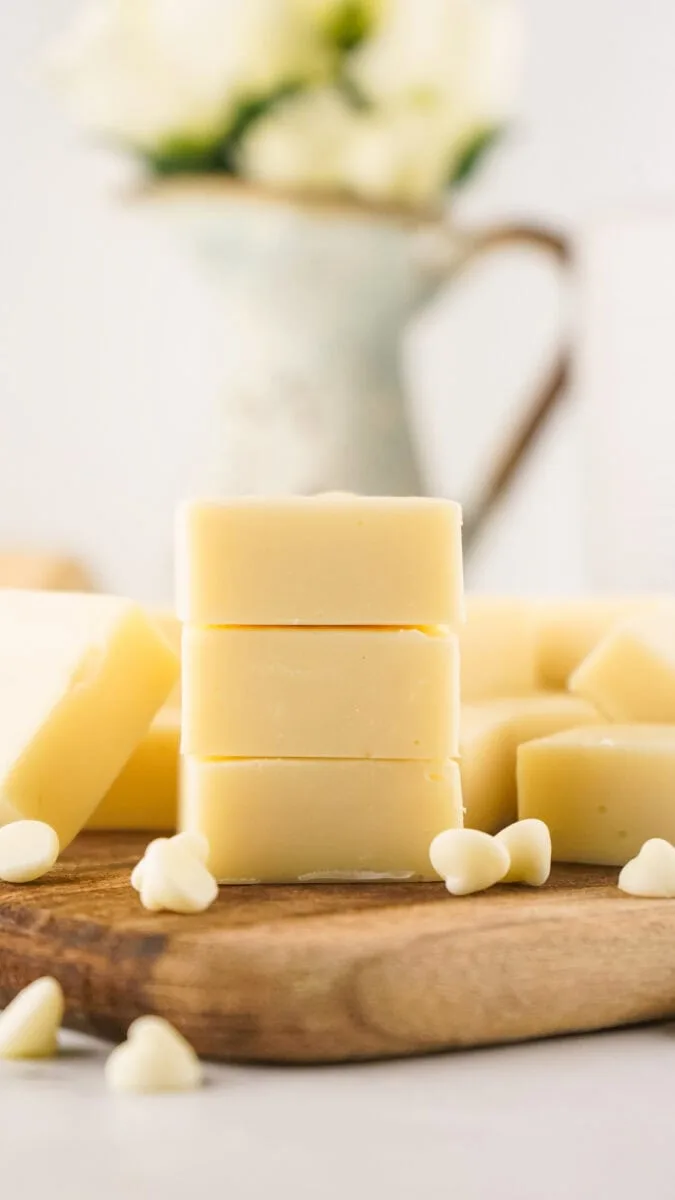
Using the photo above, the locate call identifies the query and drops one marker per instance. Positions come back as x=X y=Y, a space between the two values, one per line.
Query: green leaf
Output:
x=181 y=156
x=472 y=154
x=349 y=25
x=247 y=114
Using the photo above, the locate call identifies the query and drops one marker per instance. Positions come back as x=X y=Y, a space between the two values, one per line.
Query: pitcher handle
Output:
x=511 y=458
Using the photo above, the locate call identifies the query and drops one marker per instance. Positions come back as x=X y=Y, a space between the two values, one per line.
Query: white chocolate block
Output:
x=630 y=675
x=320 y=693
x=288 y=820
x=172 y=629
x=498 y=645
x=333 y=559
x=490 y=735
x=81 y=677
x=603 y=790
x=145 y=793
x=570 y=628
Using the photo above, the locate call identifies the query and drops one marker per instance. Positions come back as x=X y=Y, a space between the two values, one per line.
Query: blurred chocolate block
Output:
x=44 y=572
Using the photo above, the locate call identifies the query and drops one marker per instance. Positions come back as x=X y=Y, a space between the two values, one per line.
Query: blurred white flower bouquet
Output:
x=389 y=101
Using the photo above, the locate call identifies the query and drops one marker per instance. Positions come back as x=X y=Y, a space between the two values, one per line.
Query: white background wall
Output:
x=108 y=344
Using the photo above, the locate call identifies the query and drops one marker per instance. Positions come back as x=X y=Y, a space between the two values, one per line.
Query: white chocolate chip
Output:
x=529 y=845
x=651 y=872
x=468 y=860
x=30 y=1023
x=137 y=873
x=196 y=843
x=175 y=880
x=28 y=849
x=154 y=1058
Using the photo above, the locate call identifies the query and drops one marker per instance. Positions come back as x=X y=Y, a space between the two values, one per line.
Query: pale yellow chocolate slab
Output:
x=81 y=678
x=320 y=693
x=320 y=560
x=602 y=790
x=491 y=732
x=630 y=675
x=498 y=645
x=286 y=820
x=570 y=628
x=145 y=793
x=172 y=630
x=170 y=626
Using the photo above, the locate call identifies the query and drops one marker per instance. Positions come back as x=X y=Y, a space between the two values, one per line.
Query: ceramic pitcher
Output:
x=314 y=300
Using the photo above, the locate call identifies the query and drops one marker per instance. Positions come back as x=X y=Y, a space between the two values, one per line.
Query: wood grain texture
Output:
x=333 y=972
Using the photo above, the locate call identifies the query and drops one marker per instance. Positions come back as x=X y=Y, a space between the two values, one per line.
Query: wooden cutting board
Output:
x=332 y=972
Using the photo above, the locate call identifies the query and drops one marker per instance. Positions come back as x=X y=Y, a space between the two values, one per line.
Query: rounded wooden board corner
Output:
x=333 y=972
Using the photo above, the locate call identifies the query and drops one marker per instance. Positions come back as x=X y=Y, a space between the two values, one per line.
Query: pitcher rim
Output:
x=177 y=188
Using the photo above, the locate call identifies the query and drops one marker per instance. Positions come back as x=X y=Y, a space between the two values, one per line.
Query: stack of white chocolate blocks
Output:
x=320 y=684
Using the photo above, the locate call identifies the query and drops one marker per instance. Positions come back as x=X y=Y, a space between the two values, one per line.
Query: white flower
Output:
x=300 y=143
x=316 y=141
x=463 y=55
x=153 y=72
x=398 y=157
x=416 y=84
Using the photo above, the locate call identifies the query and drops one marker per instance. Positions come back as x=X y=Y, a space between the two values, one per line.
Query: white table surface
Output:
x=569 y=1119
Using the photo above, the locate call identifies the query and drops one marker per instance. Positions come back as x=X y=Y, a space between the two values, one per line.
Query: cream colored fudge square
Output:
x=289 y=820
x=570 y=628
x=331 y=559
x=145 y=793
x=172 y=629
x=320 y=693
x=602 y=790
x=498 y=645
x=487 y=767
x=491 y=732
x=81 y=677
x=630 y=675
